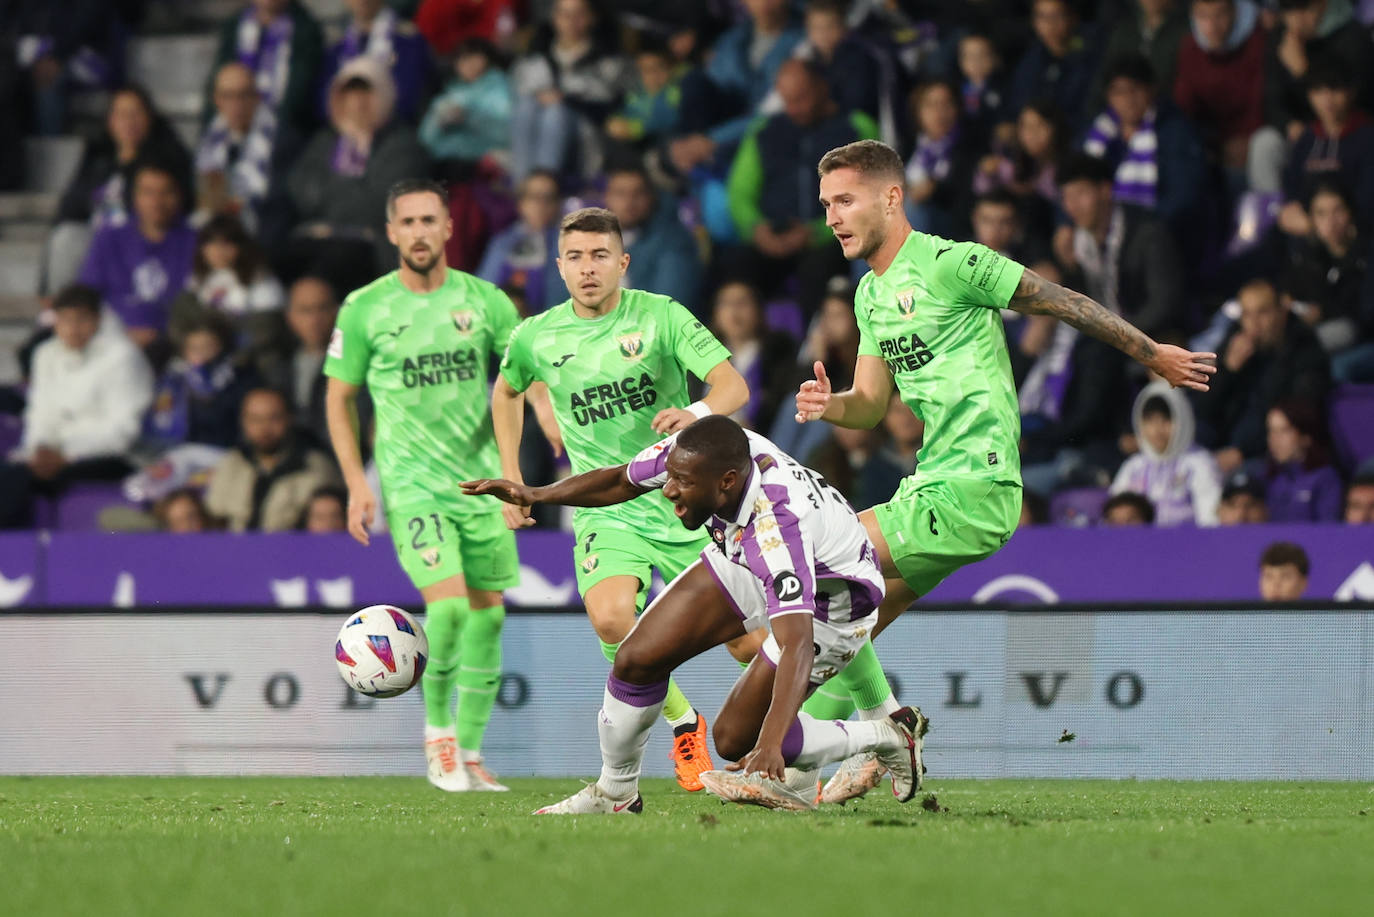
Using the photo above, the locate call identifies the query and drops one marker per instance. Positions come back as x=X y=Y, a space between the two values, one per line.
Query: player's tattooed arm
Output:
x=1037 y=296
x=599 y=487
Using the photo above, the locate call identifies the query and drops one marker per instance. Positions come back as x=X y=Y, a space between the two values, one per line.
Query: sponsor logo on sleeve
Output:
x=335 y=349
x=787 y=586
x=982 y=269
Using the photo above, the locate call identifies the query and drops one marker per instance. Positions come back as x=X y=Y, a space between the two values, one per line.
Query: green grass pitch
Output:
x=391 y=846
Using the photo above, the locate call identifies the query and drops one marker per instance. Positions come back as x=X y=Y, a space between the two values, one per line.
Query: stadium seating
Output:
x=1078 y=508
x=1352 y=434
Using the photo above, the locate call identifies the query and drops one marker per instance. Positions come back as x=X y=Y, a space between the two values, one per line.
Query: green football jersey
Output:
x=933 y=317
x=607 y=378
x=424 y=359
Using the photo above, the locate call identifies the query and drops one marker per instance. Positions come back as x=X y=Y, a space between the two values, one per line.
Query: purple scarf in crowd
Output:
x=267 y=52
x=1137 y=161
x=932 y=159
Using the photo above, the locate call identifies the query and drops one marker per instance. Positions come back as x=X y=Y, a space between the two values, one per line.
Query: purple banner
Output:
x=20 y=566
x=1038 y=566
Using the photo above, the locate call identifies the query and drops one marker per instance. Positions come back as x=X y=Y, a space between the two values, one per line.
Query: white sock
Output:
x=825 y=741
x=689 y=717
x=439 y=732
x=624 y=730
x=882 y=711
x=467 y=754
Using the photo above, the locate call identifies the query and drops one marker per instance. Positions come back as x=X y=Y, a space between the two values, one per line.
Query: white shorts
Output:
x=835 y=644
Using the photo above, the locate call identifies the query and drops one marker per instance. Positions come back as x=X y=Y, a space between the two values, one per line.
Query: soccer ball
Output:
x=381 y=651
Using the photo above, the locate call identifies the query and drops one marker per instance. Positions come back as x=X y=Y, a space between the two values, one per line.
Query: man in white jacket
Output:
x=88 y=391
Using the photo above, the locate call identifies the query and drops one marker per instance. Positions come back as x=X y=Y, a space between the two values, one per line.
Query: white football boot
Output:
x=856 y=776
x=445 y=771
x=481 y=780
x=757 y=790
x=804 y=782
x=903 y=760
x=590 y=800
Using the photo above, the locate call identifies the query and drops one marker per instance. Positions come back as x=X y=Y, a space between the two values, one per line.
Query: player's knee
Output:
x=732 y=742
x=638 y=665
x=485 y=623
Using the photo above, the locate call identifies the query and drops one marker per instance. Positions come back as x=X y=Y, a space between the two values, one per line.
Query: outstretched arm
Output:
x=599 y=487
x=1037 y=296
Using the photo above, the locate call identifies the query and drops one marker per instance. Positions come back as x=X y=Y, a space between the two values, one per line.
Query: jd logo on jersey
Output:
x=906 y=303
x=631 y=345
x=463 y=321
x=787 y=587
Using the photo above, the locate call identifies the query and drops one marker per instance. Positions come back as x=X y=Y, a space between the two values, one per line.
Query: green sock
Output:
x=479 y=675
x=863 y=678
x=444 y=628
x=829 y=702
x=676 y=707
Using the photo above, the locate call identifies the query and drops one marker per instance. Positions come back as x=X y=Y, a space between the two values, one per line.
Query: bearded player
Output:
x=615 y=362
x=786 y=552
x=930 y=326
x=421 y=338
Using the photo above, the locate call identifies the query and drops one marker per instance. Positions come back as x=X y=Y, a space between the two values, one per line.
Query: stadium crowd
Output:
x=1204 y=167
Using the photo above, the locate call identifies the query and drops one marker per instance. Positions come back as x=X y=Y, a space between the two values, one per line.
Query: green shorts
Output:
x=601 y=553
x=433 y=546
x=935 y=527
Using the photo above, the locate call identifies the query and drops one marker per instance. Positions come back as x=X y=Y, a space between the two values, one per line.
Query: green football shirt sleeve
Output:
x=517 y=366
x=863 y=309
x=504 y=318
x=349 y=350
x=694 y=345
x=974 y=274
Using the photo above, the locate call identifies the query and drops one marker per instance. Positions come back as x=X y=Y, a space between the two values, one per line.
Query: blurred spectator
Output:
x=720 y=101
x=763 y=356
x=197 y=399
x=339 y=184
x=379 y=32
x=772 y=187
x=448 y=23
x=983 y=88
x=1338 y=144
x=846 y=458
x=1327 y=279
x=1035 y=510
x=1129 y=261
x=939 y=173
x=266 y=482
x=1220 y=84
x=98 y=194
x=1154 y=29
x=1283 y=572
x=326 y=513
x=1156 y=153
x=833 y=340
x=564 y=89
x=1180 y=479
x=524 y=255
x=1128 y=509
x=281 y=43
x=1027 y=167
x=852 y=70
x=182 y=512
x=140 y=266
x=87 y=393
x=663 y=254
x=1242 y=501
x=63 y=47
x=1301 y=484
x=297 y=371
x=1359 y=500
x=244 y=156
x=1059 y=65
x=1309 y=31
x=996 y=221
x=898 y=456
x=471 y=117
x=1270 y=355
x=652 y=108
x=230 y=278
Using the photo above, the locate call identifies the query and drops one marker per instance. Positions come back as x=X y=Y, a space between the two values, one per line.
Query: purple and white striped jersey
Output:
x=795 y=533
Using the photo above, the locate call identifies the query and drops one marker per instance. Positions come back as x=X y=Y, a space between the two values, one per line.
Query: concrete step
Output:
x=174 y=68
x=52 y=161
x=20 y=267
x=26 y=230
x=34 y=206
x=19 y=309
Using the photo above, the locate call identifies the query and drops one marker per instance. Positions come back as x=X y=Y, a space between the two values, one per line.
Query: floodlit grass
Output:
x=390 y=846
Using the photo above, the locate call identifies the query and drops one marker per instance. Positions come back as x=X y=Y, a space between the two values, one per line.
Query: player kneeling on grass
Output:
x=788 y=553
